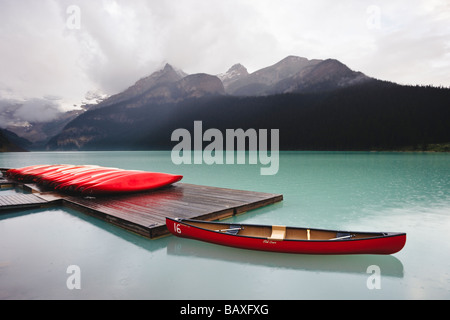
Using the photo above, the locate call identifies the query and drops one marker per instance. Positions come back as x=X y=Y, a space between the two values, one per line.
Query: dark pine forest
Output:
x=376 y=115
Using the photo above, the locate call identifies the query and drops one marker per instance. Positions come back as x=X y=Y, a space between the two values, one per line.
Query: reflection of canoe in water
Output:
x=288 y=239
x=390 y=265
x=92 y=180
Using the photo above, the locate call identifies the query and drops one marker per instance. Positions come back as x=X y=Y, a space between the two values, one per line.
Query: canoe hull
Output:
x=132 y=182
x=388 y=244
x=92 y=180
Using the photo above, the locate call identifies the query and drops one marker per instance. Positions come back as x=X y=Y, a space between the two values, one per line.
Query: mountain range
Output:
x=316 y=104
x=292 y=74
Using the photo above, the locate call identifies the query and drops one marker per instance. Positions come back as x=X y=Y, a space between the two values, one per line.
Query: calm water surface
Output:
x=408 y=192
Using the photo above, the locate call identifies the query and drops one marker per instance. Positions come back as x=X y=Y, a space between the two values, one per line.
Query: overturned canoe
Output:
x=92 y=179
x=28 y=174
x=288 y=239
x=131 y=182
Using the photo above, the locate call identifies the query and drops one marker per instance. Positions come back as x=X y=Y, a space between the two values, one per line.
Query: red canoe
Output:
x=78 y=173
x=27 y=174
x=79 y=185
x=60 y=177
x=132 y=182
x=288 y=239
x=92 y=180
x=101 y=179
x=85 y=177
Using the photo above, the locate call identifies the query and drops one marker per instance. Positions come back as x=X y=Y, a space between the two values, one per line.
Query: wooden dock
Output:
x=10 y=202
x=144 y=213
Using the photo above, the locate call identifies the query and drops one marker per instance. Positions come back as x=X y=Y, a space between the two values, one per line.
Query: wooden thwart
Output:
x=145 y=213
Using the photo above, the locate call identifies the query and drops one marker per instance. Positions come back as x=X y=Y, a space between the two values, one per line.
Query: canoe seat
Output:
x=278 y=233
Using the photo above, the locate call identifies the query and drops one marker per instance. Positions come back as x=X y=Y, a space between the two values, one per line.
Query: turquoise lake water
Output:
x=404 y=192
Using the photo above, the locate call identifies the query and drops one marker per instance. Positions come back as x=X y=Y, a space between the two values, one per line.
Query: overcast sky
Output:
x=54 y=51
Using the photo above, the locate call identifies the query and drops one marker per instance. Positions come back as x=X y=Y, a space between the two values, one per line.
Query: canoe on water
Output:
x=91 y=179
x=288 y=239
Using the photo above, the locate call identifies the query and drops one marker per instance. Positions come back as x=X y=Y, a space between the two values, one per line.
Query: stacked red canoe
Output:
x=92 y=180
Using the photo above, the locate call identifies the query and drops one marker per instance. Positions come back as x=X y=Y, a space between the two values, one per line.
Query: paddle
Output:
x=344 y=237
x=230 y=229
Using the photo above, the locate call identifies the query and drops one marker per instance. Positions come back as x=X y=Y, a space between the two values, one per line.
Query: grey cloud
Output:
x=13 y=112
x=121 y=41
x=37 y=110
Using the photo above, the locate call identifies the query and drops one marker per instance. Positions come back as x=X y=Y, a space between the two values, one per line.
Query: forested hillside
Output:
x=374 y=115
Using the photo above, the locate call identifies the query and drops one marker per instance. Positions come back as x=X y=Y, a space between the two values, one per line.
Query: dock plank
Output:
x=19 y=201
x=145 y=213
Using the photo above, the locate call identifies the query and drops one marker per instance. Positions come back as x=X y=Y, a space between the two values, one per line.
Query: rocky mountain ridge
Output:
x=154 y=104
x=166 y=85
x=291 y=75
